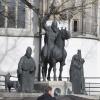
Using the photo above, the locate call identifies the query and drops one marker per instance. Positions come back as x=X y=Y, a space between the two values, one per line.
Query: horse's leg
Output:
x=44 y=71
x=9 y=89
x=54 y=70
x=6 y=86
x=49 y=71
x=60 y=70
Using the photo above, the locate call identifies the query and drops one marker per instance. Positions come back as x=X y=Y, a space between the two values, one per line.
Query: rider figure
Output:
x=50 y=34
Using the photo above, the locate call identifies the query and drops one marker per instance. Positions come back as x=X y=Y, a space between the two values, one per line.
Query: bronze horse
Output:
x=58 y=54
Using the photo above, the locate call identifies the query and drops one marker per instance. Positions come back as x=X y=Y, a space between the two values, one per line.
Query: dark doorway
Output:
x=75 y=25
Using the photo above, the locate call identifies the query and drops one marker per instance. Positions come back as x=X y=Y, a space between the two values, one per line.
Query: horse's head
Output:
x=65 y=34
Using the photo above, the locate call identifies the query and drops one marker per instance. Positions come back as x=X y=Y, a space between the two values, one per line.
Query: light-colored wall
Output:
x=12 y=49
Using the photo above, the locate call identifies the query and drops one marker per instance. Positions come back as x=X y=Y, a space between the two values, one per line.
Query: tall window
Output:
x=2 y=19
x=12 y=14
x=75 y=28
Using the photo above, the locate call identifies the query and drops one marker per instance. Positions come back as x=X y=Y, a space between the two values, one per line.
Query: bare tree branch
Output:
x=73 y=8
x=63 y=4
x=36 y=10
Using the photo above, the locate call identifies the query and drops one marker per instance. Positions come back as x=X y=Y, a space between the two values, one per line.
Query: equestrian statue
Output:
x=53 y=50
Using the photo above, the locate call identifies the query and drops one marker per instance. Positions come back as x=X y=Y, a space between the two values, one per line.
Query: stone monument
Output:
x=53 y=50
x=26 y=71
x=76 y=74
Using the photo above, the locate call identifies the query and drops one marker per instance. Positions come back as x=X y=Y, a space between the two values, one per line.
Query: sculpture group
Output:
x=52 y=52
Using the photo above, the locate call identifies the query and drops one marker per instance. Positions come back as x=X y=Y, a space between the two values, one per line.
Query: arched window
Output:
x=2 y=18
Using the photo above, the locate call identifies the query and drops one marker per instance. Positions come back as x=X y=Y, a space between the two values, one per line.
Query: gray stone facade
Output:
x=16 y=38
x=82 y=16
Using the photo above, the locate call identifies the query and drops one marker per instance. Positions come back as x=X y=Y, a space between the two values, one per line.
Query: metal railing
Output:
x=92 y=85
x=92 y=88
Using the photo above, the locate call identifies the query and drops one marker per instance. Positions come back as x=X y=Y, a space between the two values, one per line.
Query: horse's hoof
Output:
x=44 y=80
x=55 y=79
x=48 y=78
x=60 y=79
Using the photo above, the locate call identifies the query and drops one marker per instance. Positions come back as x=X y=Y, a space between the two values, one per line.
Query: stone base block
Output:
x=59 y=87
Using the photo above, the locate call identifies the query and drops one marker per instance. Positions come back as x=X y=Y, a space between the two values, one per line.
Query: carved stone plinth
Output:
x=61 y=87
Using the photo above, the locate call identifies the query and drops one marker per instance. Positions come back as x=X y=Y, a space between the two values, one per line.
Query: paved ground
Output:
x=33 y=96
x=77 y=97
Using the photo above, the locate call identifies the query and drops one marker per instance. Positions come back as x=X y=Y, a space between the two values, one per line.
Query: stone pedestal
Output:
x=61 y=87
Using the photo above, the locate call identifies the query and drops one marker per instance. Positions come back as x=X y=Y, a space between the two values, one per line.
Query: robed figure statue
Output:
x=26 y=72
x=77 y=74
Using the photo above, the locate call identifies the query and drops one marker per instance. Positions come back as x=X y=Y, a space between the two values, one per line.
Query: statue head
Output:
x=28 y=52
x=8 y=74
x=54 y=26
x=79 y=52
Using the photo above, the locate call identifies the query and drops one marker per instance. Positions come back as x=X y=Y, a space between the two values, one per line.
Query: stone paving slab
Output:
x=6 y=94
x=84 y=97
x=33 y=96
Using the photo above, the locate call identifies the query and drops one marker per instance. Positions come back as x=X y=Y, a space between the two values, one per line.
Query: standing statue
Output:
x=26 y=72
x=77 y=74
x=7 y=79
